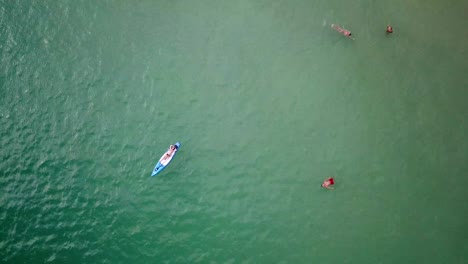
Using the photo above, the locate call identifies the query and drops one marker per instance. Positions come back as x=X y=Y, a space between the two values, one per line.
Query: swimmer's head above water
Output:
x=389 y=29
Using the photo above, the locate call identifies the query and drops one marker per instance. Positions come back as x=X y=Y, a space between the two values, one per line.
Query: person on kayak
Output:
x=328 y=182
x=170 y=152
x=343 y=31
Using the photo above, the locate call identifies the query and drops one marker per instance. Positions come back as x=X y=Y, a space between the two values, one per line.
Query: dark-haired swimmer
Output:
x=343 y=31
x=389 y=29
x=328 y=182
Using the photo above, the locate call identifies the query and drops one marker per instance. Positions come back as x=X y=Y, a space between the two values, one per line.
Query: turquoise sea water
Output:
x=267 y=101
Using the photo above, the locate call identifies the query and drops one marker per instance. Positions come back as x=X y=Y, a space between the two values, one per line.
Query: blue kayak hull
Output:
x=159 y=167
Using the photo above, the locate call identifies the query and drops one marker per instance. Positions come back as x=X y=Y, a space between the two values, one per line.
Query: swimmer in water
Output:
x=389 y=29
x=343 y=31
x=328 y=182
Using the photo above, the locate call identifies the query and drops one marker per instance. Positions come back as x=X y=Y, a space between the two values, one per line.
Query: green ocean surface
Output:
x=267 y=101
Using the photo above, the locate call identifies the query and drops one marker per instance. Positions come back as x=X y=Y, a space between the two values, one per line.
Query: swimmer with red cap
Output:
x=328 y=182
